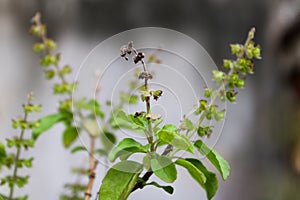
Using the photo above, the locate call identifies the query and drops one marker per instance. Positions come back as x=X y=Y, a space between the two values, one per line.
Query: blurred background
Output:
x=261 y=137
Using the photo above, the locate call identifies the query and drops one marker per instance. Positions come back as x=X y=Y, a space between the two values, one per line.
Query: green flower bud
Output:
x=49 y=74
x=249 y=53
x=50 y=44
x=236 y=49
x=38 y=47
x=211 y=112
x=38 y=31
x=208 y=92
x=204 y=130
x=256 y=52
x=66 y=70
x=15 y=124
x=65 y=105
x=231 y=95
x=228 y=64
x=49 y=60
x=156 y=94
x=240 y=83
x=219 y=115
x=62 y=88
x=203 y=105
x=219 y=76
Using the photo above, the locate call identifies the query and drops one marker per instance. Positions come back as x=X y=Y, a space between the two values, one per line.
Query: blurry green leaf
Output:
x=108 y=140
x=2 y=153
x=214 y=157
x=164 y=168
x=120 y=180
x=125 y=146
x=197 y=170
x=170 y=135
x=168 y=189
x=78 y=148
x=91 y=105
x=45 y=123
x=69 y=136
x=102 y=152
x=120 y=119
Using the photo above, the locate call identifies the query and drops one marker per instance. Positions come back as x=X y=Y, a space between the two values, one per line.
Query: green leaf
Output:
x=125 y=146
x=78 y=148
x=214 y=157
x=2 y=153
x=197 y=170
x=139 y=122
x=164 y=168
x=69 y=136
x=120 y=180
x=168 y=189
x=91 y=105
x=121 y=120
x=108 y=140
x=197 y=174
x=45 y=123
x=170 y=135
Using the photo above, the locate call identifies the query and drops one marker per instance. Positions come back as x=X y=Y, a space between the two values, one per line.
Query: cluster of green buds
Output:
x=14 y=161
x=228 y=82
x=51 y=61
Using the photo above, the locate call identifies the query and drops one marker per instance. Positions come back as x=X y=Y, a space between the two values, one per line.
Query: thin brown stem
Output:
x=93 y=165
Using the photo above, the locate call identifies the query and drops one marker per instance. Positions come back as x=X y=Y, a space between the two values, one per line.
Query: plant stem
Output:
x=93 y=165
x=14 y=176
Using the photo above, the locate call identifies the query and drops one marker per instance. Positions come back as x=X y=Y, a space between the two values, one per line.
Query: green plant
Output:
x=160 y=156
x=125 y=176
x=13 y=161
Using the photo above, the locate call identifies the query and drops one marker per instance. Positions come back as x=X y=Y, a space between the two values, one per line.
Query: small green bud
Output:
x=203 y=105
x=231 y=95
x=251 y=33
x=65 y=105
x=66 y=70
x=219 y=115
x=50 y=44
x=133 y=99
x=240 y=83
x=62 y=88
x=38 y=47
x=208 y=92
x=245 y=65
x=156 y=94
x=219 y=76
x=10 y=143
x=236 y=49
x=249 y=53
x=28 y=108
x=228 y=64
x=211 y=112
x=38 y=30
x=49 y=60
x=15 y=124
x=49 y=74
x=24 y=125
x=204 y=130
x=256 y=52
